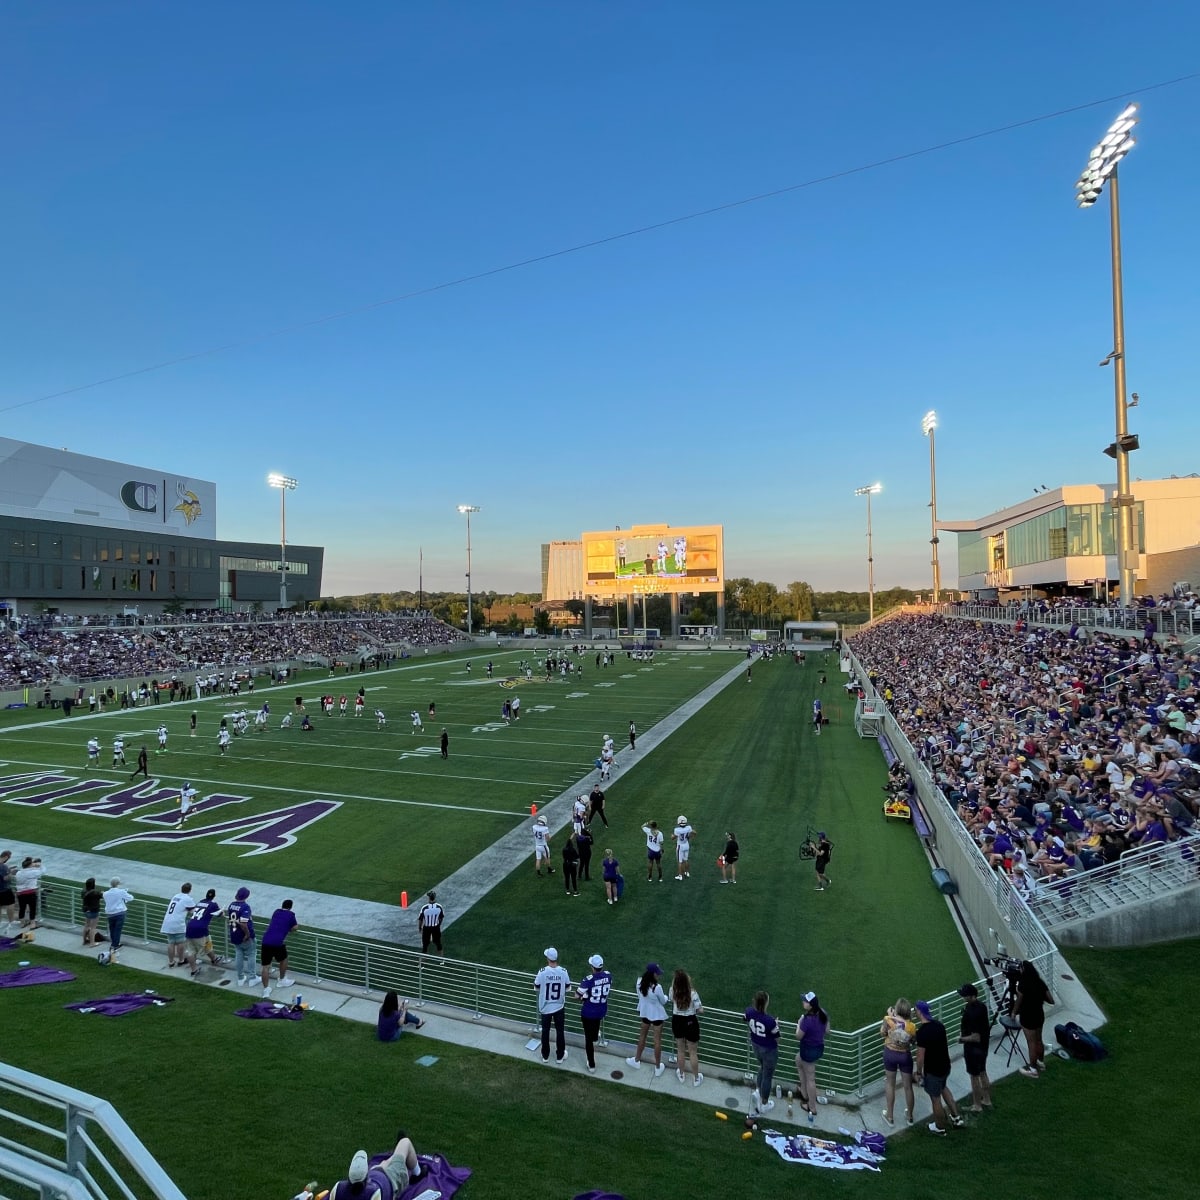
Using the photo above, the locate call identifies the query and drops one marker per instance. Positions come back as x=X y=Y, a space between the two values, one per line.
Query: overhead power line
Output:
x=595 y=243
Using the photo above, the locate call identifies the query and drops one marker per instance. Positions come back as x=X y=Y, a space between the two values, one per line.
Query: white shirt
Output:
x=541 y=837
x=683 y=836
x=116 y=900
x=652 y=1007
x=654 y=838
x=552 y=983
x=176 y=917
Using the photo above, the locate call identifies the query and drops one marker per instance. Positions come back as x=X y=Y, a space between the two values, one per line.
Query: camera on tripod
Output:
x=1011 y=969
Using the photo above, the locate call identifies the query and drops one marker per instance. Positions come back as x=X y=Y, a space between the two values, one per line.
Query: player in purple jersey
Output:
x=593 y=992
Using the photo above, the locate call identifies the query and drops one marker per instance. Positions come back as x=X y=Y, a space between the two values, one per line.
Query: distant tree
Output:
x=513 y=624
x=800 y=601
x=576 y=608
x=541 y=621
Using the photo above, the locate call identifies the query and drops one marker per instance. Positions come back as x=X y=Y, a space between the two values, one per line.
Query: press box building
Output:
x=87 y=535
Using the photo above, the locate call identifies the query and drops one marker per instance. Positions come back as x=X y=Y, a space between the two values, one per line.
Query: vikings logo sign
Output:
x=189 y=502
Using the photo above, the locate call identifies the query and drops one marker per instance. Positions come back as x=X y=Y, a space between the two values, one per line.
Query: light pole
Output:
x=872 y=490
x=468 y=509
x=1102 y=167
x=928 y=425
x=285 y=484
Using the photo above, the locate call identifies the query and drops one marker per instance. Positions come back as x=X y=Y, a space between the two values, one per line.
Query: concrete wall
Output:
x=1164 y=919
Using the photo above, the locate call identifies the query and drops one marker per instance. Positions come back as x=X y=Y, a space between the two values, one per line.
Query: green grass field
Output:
x=247 y=1109
x=747 y=762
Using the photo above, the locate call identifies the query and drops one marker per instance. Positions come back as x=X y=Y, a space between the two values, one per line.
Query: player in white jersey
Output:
x=118 y=751
x=260 y=720
x=579 y=812
x=286 y=723
x=223 y=740
x=380 y=718
x=516 y=708
x=683 y=834
x=162 y=740
x=93 y=752
x=416 y=721
x=681 y=554
x=187 y=795
x=541 y=846
x=654 y=849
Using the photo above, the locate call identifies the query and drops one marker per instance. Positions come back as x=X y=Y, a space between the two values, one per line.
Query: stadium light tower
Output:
x=928 y=425
x=285 y=484
x=467 y=510
x=872 y=490
x=1101 y=168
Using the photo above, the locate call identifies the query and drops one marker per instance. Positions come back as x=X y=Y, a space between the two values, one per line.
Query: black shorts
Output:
x=431 y=933
x=685 y=1029
x=271 y=954
x=975 y=1059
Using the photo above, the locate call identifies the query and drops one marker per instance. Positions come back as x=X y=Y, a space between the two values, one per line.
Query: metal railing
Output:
x=1144 y=873
x=57 y=1141
x=1183 y=623
x=481 y=992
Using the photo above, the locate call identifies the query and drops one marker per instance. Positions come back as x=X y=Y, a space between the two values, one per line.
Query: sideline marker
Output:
x=403 y=899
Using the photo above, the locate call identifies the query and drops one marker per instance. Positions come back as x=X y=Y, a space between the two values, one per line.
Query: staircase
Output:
x=1156 y=874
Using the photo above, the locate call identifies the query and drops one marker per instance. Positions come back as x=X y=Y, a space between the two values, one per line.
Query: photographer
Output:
x=1030 y=998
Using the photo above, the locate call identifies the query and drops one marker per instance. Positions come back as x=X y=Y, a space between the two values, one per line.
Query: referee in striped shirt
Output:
x=430 y=919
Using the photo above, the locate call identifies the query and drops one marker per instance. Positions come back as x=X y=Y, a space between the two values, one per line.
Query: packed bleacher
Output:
x=82 y=649
x=1059 y=751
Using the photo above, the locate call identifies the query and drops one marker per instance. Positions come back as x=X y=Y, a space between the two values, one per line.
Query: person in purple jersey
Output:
x=240 y=920
x=593 y=992
x=274 y=946
x=764 y=1040
x=198 y=940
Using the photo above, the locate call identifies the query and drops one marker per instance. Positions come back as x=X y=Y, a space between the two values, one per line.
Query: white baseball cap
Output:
x=595 y=961
x=551 y=953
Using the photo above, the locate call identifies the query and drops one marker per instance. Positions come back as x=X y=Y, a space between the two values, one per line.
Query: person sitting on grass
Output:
x=393 y=1016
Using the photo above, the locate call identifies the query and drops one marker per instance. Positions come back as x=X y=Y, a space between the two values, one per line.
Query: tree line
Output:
x=749 y=604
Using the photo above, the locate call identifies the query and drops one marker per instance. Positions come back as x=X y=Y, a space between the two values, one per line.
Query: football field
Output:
x=352 y=808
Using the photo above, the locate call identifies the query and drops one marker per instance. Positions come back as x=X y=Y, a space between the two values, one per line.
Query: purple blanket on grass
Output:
x=599 y=1196
x=436 y=1174
x=119 y=1005
x=268 y=1010
x=7 y=943
x=27 y=976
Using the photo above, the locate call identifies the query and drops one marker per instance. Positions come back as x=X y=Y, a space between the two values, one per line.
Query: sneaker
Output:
x=678 y=876
x=722 y=880
x=934 y=1127
x=266 y=993
x=957 y=1122
x=635 y=1063
x=770 y=1104
x=546 y=1058
x=658 y=1070
x=699 y=1079
x=908 y=1120
x=242 y=981
x=562 y=1060
x=608 y=902
x=591 y=1070
x=1029 y=1072
x=286 y=982
x=679 y=1075
x=890 y=1122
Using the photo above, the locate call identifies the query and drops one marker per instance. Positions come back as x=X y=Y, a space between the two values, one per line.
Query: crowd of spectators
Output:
x=1059 y=749
x=49 y=649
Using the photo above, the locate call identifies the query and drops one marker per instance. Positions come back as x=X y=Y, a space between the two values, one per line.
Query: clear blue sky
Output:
x=181 y=177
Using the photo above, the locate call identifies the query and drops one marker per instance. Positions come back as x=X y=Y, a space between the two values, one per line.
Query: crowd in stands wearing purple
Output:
x=45 y=650
x=1059 y=752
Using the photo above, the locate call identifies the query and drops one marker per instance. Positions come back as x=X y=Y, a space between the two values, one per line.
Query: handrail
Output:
x=481 y=992
x=71 y=1173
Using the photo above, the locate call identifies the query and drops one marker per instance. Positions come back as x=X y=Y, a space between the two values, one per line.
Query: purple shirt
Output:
x=812 y=1032
x=764 y=1029
x=283 y=921
x=202 y=914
